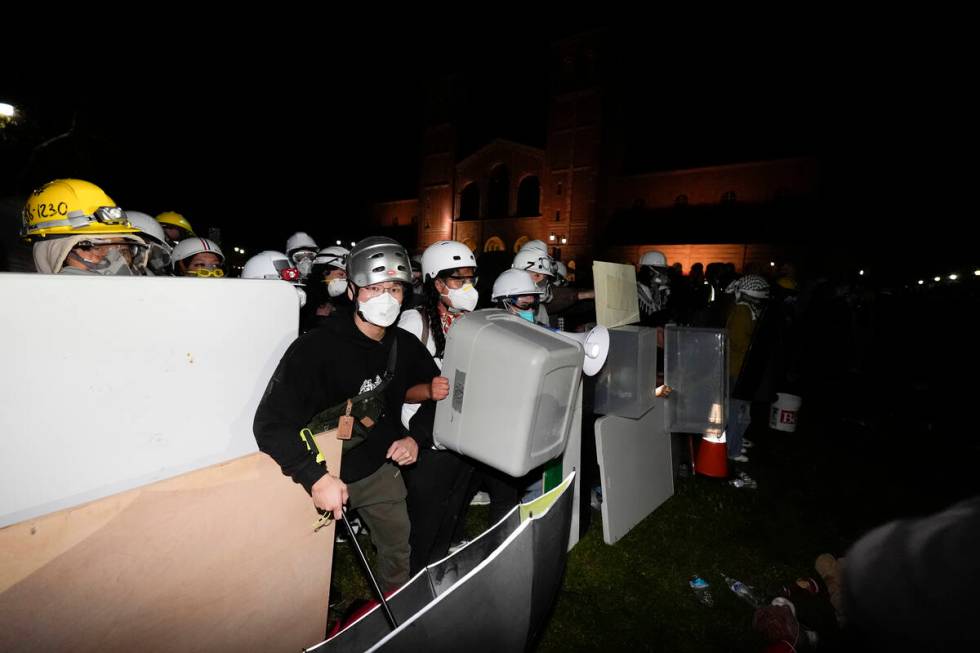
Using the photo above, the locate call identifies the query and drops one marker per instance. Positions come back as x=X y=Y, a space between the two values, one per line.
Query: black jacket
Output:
x=910 y=585
x=323 y=368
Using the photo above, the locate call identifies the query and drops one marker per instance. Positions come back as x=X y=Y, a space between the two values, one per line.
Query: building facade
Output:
x=573 y=194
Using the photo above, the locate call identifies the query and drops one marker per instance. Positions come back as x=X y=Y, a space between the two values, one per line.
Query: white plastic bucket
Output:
x=784 y=411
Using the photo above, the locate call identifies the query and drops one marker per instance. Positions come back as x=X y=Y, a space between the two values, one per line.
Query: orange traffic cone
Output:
x=712 y=458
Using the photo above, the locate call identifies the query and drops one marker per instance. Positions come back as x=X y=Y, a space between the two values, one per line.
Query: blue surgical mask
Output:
x=527 y=315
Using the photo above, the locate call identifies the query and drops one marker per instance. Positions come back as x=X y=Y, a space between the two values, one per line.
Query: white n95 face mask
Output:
x=380 y=311
x=463 y=299
x=336 y=287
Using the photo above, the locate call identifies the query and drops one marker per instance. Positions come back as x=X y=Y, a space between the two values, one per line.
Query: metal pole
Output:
x=367 y=570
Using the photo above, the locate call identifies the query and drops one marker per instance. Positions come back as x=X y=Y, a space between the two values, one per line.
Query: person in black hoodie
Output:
x=341 y=360
x=326 y=289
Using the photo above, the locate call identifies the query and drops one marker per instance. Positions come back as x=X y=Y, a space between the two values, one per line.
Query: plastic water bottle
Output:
x=701 y=590
x=744 y=592
x=743 y=481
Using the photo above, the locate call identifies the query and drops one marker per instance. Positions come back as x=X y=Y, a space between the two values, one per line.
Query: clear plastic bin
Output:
x=696 y=368
x=627 y=382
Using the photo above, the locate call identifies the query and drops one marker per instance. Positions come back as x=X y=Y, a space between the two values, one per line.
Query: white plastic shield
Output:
x=111 y=383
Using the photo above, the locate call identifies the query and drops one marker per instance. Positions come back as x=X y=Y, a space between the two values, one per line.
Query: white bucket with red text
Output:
x=784 y=412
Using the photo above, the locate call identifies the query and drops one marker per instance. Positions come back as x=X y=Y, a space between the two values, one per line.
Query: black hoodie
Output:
x=323 y=368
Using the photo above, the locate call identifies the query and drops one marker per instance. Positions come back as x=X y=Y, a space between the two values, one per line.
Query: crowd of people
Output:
x=373 y=323
x=354 y=306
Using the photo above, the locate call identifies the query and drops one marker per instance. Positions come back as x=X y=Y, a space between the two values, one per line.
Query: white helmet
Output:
x=334 y=255
x=194 y=245
x=160 y=252
x=446 y=255
x=654 y=258
x=149 y=228
x=270 y=265
x=534 y=260
x=535 y=244
x=513 y=283
x=274 y=265
x=299 y=240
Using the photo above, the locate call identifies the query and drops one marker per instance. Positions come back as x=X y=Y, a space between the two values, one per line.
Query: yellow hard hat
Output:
x=786 y=282
x=66 y=207
x=174 y=219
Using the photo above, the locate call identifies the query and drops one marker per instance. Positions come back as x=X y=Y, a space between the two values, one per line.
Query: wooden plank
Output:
x=222 y=558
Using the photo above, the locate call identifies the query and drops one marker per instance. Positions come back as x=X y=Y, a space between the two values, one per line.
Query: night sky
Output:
x=306 y=138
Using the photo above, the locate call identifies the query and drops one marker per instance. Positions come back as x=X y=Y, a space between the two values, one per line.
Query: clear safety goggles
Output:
x=395 y=289
x=304 y=255
x=516 y=302
x=456 y=281
x=130 y=250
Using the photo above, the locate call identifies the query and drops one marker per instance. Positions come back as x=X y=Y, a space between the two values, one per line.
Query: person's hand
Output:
x=403 y=452
x=324 y=310
x=330 y=493
x=439 y=389
x=664 y=391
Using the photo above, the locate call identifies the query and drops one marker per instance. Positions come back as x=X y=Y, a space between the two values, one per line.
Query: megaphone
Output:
x=596 y=345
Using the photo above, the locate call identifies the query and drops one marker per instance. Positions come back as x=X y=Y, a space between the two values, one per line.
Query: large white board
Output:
x=635 y=469
x=108 y=384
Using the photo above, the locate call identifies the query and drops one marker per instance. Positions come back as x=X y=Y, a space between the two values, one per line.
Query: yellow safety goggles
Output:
x=204 y=273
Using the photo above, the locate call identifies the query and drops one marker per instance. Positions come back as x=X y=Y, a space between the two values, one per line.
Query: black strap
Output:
x=370 y=403
x=425 y=328
x=392 y=360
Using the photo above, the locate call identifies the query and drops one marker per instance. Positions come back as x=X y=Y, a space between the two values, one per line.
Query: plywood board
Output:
x=219 y=559
x=616 y=301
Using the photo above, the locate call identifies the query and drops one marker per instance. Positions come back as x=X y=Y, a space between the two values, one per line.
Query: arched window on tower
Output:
x=498 y=193
x=469 y=202
x=529 y=197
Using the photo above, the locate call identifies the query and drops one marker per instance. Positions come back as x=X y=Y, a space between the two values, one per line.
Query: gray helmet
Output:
x=378 y=259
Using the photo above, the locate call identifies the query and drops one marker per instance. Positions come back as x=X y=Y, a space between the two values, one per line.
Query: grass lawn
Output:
x=819 y=489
